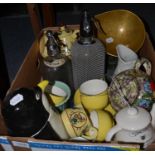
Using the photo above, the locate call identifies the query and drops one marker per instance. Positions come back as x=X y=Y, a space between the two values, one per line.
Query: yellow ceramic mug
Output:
x=94 y=94
x=77 y=102
x=103 y=121
x=77 y=124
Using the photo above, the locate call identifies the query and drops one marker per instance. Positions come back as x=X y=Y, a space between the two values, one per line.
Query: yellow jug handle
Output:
x=43 y=84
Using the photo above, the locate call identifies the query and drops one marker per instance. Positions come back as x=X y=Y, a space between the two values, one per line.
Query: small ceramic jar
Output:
x=133 y=124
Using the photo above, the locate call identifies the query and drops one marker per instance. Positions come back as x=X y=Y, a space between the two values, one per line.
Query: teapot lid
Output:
x=133 y=118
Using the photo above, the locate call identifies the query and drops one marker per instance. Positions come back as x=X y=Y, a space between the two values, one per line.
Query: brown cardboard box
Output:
x=28 y=76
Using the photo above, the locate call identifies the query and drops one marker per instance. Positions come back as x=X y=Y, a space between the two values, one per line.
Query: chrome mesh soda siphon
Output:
x=88 y=54
x=55 y=66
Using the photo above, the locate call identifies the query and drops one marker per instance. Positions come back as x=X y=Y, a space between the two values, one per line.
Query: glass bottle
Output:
x=55 y=66
x=88 y=54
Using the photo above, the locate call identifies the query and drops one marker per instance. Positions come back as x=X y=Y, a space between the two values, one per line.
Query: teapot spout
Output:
x=153 y=115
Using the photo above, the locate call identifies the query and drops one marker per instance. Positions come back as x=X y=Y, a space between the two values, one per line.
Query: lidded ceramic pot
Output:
x=131 y=87
x=133 y=124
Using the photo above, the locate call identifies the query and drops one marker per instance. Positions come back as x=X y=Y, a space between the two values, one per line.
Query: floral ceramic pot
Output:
x=131 y=87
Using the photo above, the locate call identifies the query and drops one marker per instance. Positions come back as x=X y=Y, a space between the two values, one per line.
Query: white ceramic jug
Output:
x=126 y=59
x=133 y=125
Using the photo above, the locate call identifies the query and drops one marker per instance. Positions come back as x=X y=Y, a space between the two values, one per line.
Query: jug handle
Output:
x=112 y=132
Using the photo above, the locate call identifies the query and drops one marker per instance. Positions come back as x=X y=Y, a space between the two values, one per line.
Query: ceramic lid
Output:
x=133 y=118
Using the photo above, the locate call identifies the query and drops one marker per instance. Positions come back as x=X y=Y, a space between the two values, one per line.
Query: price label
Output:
x=109 y=40
x=16 y=99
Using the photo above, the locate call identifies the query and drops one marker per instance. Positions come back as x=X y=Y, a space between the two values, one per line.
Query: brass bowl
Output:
x=120 y=27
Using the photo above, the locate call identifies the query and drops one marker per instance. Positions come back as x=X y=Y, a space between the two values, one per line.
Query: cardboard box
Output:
x=28 y=76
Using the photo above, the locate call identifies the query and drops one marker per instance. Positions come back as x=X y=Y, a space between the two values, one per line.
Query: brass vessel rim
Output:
x=132 y=13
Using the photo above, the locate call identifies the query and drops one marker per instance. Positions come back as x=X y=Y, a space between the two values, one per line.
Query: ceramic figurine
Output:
x=67 y=38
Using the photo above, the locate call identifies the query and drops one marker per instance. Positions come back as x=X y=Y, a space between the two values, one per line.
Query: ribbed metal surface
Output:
x=88 y=62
